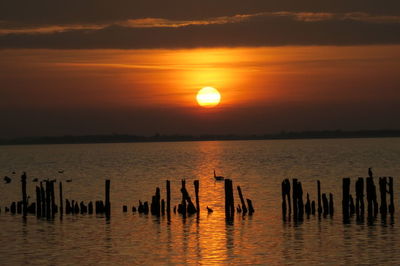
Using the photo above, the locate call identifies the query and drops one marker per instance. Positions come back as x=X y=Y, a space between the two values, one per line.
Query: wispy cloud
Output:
x=168 y=23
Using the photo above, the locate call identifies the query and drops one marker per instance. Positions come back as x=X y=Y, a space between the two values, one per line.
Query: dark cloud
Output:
x=257 y=30
x=50 y=12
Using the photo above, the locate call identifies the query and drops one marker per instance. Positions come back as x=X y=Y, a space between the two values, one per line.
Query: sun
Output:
x=208 y=97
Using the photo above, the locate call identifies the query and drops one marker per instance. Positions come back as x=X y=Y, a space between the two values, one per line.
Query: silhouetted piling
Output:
x=352 y=207
x=391 y=200
x=360 y=198
x=294 y=198
x=168 y=200
x=83 y=207
x=162 y=207
x=90 y=208
x=24 y=199
x=308 y=205
x=48 y=200
x=196 y=192
x=300 y=200
x=229 y=203
x=38 y=203
x=383 y=190
x=19 y=207
x=319 y=197
x=61 y=199
x=244 y=208
x=155 y=203
x=145 y=207
x=76 y=208
x=108 y=204
x=182 y=206
x=371 y=198
x=346 y=198
x=124 y=208
x=68 y=208
x=53 y=200
x=13 y=208
x=250 y=204
x=325 y=204
x=331 y=208
x=43 y=199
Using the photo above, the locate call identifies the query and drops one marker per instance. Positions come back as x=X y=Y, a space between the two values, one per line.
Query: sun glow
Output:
x=208 y=97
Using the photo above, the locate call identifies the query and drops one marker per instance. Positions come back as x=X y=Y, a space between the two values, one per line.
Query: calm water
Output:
x=137 y=169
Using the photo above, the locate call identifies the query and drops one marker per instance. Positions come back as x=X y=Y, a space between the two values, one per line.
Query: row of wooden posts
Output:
x=186 y=207
x=326 y=207
x=45 y=205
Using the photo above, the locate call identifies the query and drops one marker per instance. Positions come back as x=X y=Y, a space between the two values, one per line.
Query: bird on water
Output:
x=218 y=177
x=209 y=210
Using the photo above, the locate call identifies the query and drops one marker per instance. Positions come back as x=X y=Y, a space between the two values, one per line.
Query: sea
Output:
x=135 y=170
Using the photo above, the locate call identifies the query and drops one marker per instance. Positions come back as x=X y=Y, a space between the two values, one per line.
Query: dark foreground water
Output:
x=137 y=169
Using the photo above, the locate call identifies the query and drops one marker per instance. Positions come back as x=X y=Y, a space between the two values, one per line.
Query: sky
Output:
x=134 y=67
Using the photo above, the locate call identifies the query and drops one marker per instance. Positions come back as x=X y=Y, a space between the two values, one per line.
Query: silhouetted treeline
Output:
x=117 y=138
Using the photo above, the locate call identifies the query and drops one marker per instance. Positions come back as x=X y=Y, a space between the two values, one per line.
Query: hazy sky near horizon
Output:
x=100 y=67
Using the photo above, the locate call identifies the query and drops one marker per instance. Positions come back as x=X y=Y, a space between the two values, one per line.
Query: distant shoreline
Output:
x=123 y=138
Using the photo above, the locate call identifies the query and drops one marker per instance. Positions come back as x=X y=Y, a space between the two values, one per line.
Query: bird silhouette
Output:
x=7 y=179
x=60 y=171
x=218 y=177
x=209 y=210
x=370 y=174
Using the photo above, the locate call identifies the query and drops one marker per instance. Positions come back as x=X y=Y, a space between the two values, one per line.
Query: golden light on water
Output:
x=208 y=97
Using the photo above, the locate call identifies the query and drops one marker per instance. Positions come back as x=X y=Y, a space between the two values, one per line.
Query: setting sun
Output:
x=208 y=97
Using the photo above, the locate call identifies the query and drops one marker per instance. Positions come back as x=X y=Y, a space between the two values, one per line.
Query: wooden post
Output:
x=90 y=208
x=319 y=197
x=391 y=204
x=68 y=206
x=196 y=191
x=346 y=198
x=383 y=191
x=183 y=203
x=325 y=204
x=53 y=200
x=287 y=187
x=162 y=207
x=313 y=207
x=168 y=200
x=43 y=199
x=300 y=200
x=331 y=204
x=352 y=207
x=250 y=204
x=308 y=205
x=244 y=208
x=294 y=198
x=38 y=202
x=360 y=198
x=232 y=200
x=283 y=199
x=24 y=199
x=108 y=204
x=48 y=198
x=229 y=204
x=61 y=200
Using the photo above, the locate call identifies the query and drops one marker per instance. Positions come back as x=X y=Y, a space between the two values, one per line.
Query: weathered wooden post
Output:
x=90 y=208
x=383 y=191
x=331 y=208
x=53 y=200
x=43 y=199
x=196 y=191
x=346 y=198
x=168 y=200
x=352 y=207
x=229 y=202
x=244 y=208
x=283 y=199
x=232 y=200
x=108 y=204
x=162 y=207
x=308 y=205
x=24 y=199
x=313 y=207
x=325 y=204
x=61 y=200
x=360 y=197
x=371 y=198
x=391 y=204
x=250 y=204
x=182 y=207
x=319 y=197
x=48 y=198
x=294 y=198
x=300 y=200
x=38 y=202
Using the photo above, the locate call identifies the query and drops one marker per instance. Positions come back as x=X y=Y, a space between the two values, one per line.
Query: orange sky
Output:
x=248 y=78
